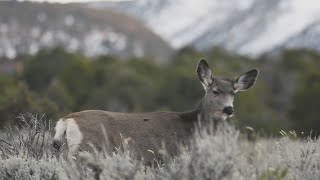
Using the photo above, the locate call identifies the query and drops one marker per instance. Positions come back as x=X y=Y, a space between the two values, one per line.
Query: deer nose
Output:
x=228 y=110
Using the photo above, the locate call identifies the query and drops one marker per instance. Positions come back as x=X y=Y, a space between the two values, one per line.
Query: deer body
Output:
x=149 y=132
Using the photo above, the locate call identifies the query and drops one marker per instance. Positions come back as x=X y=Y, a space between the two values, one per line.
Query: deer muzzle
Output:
x=229 y=110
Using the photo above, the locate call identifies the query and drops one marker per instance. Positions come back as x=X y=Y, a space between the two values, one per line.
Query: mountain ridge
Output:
x=248 y=27
x=26 y=27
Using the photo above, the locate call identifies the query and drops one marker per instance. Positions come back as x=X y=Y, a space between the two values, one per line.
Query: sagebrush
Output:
x=26 y=153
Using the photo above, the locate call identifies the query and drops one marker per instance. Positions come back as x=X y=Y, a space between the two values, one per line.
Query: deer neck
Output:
x=204 y=115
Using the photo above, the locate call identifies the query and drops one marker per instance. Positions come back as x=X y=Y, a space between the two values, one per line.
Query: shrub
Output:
x=220 y=154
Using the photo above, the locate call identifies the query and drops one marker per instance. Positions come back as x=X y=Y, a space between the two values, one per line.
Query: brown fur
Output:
x=147 y=131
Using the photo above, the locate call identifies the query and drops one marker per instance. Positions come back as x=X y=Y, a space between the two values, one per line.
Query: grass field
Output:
x=26 y=154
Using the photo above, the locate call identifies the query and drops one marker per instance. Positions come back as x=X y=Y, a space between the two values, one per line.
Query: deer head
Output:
x=217 y=103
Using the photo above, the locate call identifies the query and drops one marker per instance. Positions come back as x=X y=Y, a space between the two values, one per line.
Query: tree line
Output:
x=55 y=82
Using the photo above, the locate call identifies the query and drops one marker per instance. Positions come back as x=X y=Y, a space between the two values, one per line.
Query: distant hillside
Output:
x=249 y=27
x=309 y=38
x=26 y=27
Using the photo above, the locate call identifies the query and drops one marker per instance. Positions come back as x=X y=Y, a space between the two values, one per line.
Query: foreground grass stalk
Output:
x=26 y=153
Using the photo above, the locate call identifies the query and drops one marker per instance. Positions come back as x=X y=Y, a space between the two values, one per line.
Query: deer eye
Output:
x=216 y=92
x=233 y=93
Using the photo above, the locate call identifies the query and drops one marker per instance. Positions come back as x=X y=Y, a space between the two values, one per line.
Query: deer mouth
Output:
x=228 y=115
x=223 y=115
x=220 y=116
x=231 y=115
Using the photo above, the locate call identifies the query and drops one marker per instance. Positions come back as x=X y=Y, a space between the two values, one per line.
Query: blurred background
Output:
x=57 y=57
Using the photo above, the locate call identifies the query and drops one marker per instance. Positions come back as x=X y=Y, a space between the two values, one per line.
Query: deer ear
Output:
x=246 y=80
x=204 y=72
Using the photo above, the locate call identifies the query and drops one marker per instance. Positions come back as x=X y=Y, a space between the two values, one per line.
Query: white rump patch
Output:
x=60 y=128
x=73 y=135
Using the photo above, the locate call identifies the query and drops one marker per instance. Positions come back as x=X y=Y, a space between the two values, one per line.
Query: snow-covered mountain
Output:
x=249 y=27
x=26 y=27
x=309 y=38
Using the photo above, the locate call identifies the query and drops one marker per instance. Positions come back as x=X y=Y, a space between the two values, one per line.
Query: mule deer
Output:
x=148 y=131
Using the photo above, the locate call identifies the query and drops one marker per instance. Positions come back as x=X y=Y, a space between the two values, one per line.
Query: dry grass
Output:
x=26 y=152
